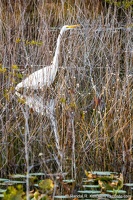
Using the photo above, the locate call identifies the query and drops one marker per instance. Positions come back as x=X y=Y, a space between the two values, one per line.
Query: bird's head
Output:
x=68 y=27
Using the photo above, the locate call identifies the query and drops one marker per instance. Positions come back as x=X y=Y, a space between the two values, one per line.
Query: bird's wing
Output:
x=40 y=78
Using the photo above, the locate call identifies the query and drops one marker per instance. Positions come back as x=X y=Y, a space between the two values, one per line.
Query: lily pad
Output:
x=3 y=179
x=115 y=191
x=37 y=174
x=62 y=197
x=69 y=181
x=15 y=182
x=84 y=180
x=89 y=192
x=36 y=185
x=129 y=184
x=2 y=190
x=18 y=176
x=5 y=183
x=91 y=186
x=105 y=173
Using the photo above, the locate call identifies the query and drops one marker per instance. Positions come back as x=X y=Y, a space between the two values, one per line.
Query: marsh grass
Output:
x=93 y=90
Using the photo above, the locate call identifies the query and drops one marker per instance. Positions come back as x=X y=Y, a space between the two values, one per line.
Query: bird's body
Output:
x=46 y=75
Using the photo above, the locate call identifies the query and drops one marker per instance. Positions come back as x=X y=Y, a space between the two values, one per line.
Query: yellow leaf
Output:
x=33 y=42
x=2 y=70
x=14 y=67
x=18 y=40
x=46 y=185
x=19 y=75
x=21 y=100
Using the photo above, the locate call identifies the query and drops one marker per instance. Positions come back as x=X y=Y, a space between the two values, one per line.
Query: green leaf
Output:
x=14 y=193
x=19 y=75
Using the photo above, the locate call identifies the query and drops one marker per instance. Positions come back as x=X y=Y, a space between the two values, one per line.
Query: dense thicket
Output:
x=93 y=91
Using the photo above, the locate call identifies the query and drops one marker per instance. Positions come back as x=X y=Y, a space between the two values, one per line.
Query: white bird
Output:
x=46 y=75
x=39 y=79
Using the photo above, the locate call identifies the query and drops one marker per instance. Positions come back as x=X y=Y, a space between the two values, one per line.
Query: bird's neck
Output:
x=57 y=50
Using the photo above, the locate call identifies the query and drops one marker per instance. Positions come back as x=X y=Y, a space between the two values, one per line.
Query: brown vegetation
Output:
x=93 y=91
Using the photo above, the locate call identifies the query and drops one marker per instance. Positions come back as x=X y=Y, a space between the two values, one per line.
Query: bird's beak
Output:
x=73 y=26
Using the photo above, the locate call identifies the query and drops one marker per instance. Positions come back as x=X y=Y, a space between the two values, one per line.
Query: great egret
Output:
x=46 y=75
x=39 y=79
